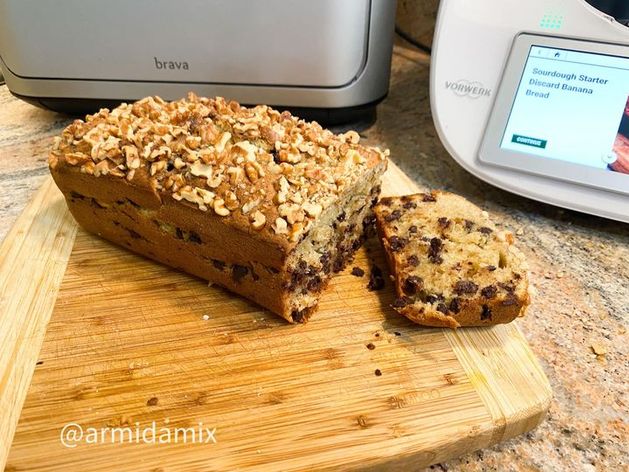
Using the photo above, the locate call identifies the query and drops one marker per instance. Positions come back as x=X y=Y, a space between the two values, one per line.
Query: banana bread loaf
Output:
x=451 y=266
x=255 y=200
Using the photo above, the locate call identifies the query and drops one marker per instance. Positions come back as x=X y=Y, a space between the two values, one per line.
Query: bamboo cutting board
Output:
x=100 y=337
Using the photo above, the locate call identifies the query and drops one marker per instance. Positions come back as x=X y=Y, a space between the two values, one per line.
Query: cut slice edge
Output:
x=451 y=265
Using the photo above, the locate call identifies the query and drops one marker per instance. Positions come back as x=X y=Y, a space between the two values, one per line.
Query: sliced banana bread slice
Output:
x=451 y=266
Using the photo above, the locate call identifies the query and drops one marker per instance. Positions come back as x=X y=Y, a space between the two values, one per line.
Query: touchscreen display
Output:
x=572 y=106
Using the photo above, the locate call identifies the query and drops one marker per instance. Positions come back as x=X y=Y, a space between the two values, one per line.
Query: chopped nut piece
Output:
x=258 y=220
x=201 y=170
x=219 y=207
x=231 y=200
x=222 y=141
x=131 y=156
x=280 y=226
x=75 y=158
x=312 y=209
x=251 y=172
x=215 y=180
x=247 y=207
x=352 y=136
x=235 y=174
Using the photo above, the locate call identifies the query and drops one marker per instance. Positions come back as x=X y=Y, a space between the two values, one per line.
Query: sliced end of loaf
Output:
x=452 y=266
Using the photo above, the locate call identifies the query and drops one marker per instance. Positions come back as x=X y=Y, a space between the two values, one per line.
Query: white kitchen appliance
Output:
x=533 y=97
x=327 y=59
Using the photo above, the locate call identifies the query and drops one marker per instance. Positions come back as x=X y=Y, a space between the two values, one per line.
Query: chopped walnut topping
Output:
x=250 y=158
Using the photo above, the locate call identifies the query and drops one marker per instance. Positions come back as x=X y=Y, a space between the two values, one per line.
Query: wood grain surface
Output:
x=33 y=260
x=131 y=342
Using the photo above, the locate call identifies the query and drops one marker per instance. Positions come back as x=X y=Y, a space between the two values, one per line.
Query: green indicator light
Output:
x=549 y=21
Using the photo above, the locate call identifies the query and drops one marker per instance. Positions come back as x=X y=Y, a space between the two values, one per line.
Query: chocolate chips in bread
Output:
x=258 y=201
x=451 y=266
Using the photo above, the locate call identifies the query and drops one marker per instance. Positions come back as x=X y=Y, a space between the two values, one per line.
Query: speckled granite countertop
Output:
x=577 y=325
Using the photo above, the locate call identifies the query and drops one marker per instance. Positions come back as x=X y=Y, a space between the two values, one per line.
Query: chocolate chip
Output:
x=397 y=243
x=485 y=313
x=507 y=287
x=178 y=233
x=341 y=217
x=443 y=222
x=314 y=284
x=433 y=298
x=358 y=272
x=412 y=260
x=401 y=302
x=485 y=230
x=394 y=215
x=376 y=279
x=455 y=305
x=436 y=246
x=413 y=284
x=465 y=286
x=409 y=205
x=442 y=308
x=238 y=272
x=299 y=316
x=428 y=197
x=369 y=221
x=134 y=234
x=220 y=265
x=468 y=225
x=412 y=229
x=491 y=268
x=510 y=299
x=170 y=166
x=386 y=201
x=194 y=237
x=339 y=263
x=489 y=291
x=325 y=262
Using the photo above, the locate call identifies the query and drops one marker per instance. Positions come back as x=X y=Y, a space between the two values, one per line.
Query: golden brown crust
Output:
x=452 y=267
